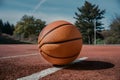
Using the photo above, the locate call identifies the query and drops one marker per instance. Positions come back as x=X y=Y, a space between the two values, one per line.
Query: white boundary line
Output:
x=25 y=55
x=43 y=73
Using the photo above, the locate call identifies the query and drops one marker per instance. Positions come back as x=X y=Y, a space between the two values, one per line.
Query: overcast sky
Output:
x=51 y=10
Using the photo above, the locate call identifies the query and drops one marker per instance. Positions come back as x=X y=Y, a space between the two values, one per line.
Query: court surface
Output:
x=100 y=62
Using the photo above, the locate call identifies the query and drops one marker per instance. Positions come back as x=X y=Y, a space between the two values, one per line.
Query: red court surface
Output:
x=103 y=63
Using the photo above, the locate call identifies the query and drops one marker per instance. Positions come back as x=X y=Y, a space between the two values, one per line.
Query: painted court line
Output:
x=7 y=57
x=43 y=73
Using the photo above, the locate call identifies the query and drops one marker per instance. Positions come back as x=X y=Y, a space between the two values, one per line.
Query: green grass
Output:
x=99 y=41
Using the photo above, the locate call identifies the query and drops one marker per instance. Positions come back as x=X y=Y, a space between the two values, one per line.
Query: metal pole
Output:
x=95 y=32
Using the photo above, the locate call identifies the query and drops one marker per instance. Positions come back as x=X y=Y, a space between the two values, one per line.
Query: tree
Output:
x=86 y=16
x=6 y=27
x=39 y=24
x=28 y=26
x=1 y=25
x=114 y=32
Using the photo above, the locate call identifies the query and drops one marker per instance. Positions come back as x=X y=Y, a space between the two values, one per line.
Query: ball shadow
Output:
x=90 y=65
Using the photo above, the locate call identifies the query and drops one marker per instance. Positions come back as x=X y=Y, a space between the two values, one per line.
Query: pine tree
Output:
x=86 y=16
x=1 y=25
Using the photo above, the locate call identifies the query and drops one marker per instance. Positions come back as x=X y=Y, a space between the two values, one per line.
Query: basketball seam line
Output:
x=59 y=42
x=52 y=30
x=60 y=57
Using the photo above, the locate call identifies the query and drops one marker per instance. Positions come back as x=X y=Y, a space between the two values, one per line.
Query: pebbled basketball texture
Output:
x=60 y=42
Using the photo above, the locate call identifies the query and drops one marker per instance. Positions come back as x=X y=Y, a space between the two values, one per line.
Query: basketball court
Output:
x=95 y=62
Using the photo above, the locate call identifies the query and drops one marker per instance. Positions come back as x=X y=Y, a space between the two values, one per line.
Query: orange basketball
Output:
x=60 y=42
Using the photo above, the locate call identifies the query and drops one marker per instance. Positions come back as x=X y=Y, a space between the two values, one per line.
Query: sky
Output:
x=52 y=10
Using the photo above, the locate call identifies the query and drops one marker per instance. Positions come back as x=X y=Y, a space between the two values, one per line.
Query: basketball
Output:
x=60 y=42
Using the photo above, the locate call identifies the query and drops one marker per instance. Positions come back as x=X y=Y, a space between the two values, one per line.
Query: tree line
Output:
x=6 y=27
x=112 y=36
x=87 y=17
